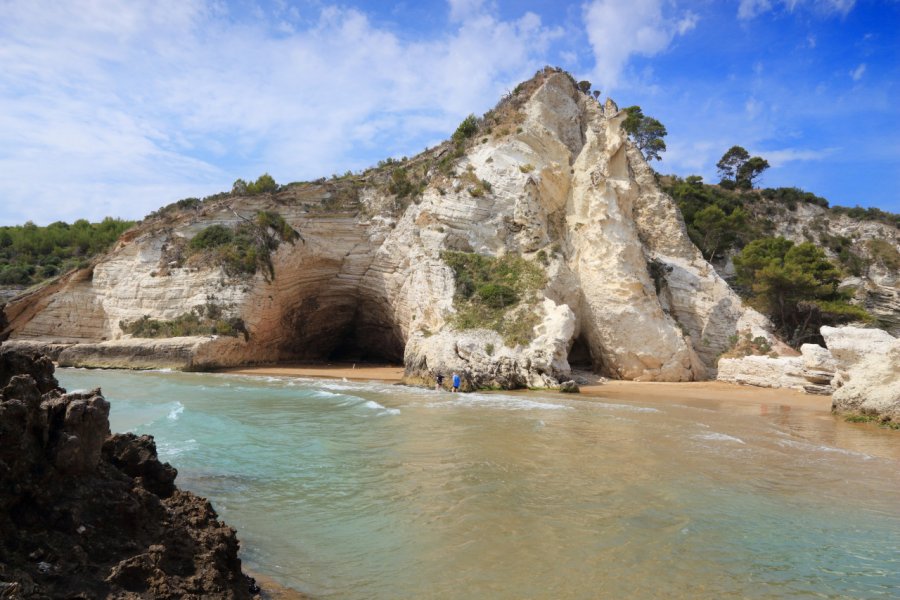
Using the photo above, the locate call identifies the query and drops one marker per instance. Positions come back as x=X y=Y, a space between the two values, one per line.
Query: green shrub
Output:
x=263 y=184
x=245 y=249
x=466 y=129
x=497 y=296
x=212 y=237
x=885 y=253
x=497 y=293
x=188 y=324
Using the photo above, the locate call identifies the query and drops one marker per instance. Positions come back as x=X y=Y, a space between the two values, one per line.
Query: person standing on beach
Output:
x=438 y=382
x=455 y=381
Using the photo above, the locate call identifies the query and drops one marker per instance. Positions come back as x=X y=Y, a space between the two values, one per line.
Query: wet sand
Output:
x=703 y=394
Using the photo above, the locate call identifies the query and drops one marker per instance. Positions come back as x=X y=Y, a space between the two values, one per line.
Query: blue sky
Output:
x=117 y=107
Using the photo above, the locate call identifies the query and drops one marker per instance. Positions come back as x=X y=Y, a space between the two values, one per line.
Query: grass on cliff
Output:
x=204 y=319
x=245 y=249
x=497 y=293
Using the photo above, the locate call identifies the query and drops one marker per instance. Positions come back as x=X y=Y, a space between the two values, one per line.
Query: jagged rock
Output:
x=872 y=385
x=136 y=457
x=566 y=189
x=86 y=519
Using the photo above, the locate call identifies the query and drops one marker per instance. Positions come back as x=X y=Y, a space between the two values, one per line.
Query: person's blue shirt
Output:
x=456 y=381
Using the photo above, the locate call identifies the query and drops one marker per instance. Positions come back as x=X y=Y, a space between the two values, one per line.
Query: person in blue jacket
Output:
x=455 y=381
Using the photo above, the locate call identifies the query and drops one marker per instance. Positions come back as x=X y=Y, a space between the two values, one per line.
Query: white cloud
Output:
x=778 y=158
x=857 y=73
x=103 y=101
x=748 y=9
x=619 y=29
x=751 y=8
x=462 y=9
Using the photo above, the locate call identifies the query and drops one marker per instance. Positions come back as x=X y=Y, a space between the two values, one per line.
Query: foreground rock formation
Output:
x=550 y=176
x=860 y=368
x=86 y=514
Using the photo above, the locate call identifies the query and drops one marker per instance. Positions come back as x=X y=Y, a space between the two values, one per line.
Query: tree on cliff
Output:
x=646 y=132
x=738 y=168
x=714 y=231
x=795 y=286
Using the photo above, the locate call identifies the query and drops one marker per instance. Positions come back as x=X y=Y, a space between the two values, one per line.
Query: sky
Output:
x=118 y=107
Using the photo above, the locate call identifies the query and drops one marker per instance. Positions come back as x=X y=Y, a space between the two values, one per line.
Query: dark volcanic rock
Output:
x=87 y=515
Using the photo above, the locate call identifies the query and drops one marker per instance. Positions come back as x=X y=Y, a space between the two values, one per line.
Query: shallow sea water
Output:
x=367 y=490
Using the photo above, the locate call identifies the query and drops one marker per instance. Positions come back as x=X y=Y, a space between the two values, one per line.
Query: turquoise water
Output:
x=366 y=490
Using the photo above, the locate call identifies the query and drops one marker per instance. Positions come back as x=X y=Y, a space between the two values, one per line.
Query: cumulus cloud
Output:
x=620 y=29
x=748 y=9
x=102 y=101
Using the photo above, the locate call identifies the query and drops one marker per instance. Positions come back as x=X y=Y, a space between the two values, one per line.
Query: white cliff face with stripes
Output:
x=625 y=288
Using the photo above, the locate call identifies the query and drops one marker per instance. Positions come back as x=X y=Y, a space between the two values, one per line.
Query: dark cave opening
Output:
x=580 y=357
x=368 y=342
x=341 y=327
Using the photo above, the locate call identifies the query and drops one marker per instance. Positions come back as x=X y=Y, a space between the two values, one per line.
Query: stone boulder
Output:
x=872 y=385
x=849 y=345
x=764 y=371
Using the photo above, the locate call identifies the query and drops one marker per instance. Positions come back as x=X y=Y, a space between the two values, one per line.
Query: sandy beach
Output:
x=697 y=393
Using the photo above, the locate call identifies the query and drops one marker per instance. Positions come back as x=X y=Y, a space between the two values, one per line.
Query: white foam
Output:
x=628 y=407
x=717 y=437
x=498 y=401
x=382 y=411
x=167 y=449
x=176 y=412
x=818 y=448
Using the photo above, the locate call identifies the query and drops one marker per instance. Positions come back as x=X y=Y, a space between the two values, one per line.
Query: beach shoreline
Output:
x=698 y=393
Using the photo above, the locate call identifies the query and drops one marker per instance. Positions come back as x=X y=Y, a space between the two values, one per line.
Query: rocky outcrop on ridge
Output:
x=550 y=176
x=86 y=514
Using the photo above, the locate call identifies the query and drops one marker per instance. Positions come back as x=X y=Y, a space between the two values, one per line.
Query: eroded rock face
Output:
x=89 y=515
x=565 y=188
x=872 y=386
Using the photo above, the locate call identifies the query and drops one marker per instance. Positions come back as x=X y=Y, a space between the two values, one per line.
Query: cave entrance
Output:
x=580 y=357
x=367 y=339
x=337 y=325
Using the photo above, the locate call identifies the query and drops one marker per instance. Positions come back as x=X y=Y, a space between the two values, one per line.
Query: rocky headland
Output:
x=377 y=270
x=538 y=239
x=89 y=514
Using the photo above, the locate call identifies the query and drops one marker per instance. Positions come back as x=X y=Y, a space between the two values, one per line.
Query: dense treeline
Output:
x=30 y=254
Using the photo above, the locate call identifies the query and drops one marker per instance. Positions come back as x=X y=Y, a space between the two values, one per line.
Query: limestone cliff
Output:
x=550 y=176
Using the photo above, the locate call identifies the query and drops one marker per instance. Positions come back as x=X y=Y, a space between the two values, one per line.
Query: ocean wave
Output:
x=382 y=410
x=717 y=437
x=497 y=401
x=821 y=448
x=171 y=449
x=175 y=412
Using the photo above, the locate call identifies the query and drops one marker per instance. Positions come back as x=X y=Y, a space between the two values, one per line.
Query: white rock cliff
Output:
x=565 y=189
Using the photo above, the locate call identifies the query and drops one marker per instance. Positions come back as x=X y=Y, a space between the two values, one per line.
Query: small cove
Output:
x=368 y=490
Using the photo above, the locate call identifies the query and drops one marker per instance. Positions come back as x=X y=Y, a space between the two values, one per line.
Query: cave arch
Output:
x=334 y=318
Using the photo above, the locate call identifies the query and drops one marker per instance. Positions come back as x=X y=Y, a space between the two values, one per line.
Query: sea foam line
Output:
x=717 y=437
